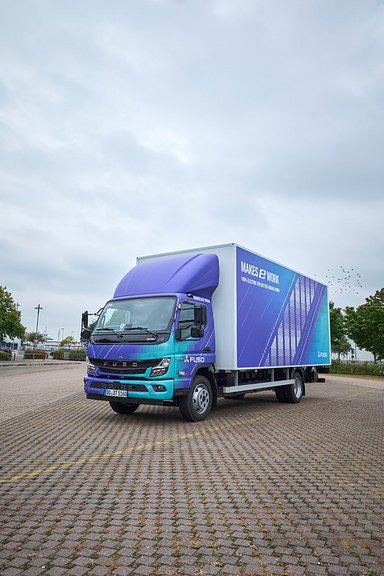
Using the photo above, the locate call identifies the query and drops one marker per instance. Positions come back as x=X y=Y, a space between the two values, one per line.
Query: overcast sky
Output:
x=133 y=127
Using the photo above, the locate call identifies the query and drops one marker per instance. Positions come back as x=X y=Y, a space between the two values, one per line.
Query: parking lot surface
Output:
x=259 y=488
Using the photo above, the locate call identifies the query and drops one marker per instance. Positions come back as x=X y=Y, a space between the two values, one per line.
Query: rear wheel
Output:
x=198 y=403
x=122 y=408
x=292 y=393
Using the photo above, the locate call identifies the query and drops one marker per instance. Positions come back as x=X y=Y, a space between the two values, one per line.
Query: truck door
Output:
x=193 y=337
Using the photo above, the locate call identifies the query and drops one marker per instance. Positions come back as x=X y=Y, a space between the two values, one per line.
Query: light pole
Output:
x=17 y=306
x=38 y=308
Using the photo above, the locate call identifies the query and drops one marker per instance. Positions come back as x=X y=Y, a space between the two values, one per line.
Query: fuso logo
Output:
x=196 y=359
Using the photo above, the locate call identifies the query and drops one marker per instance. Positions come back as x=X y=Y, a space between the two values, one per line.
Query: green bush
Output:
x=5 y=356
x=58 y=355
x=65 y=354
x=359 y=368
x=77 y=354
x=37 y=354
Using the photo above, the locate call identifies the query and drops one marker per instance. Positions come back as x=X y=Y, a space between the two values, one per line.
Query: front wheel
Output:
x=198 y=403
x=122 y=408
x=292 y=393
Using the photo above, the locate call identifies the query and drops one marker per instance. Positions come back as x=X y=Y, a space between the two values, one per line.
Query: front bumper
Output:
x=107 y=389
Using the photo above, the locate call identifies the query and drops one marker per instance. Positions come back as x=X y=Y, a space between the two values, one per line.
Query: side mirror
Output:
x=85 y=334
x=84 y=319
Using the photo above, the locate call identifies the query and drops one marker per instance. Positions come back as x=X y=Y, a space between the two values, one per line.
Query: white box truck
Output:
x=186 y=328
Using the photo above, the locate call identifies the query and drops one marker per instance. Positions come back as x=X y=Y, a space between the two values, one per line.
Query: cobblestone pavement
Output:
x=22 y=390
x=259 y=488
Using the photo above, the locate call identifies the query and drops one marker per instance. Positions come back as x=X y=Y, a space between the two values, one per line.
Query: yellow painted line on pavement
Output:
x=138 y=448
x=149 y=445
x=97 y=457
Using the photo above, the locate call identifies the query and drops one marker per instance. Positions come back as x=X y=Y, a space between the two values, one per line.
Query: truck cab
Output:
x=150 y=343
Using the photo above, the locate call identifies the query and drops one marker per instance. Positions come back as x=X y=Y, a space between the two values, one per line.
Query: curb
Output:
x=15 y=363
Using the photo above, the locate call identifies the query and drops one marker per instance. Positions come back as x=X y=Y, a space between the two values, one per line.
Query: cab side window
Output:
x=192 y=319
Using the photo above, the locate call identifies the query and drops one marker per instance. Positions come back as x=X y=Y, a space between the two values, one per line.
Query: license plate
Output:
x=116 y=393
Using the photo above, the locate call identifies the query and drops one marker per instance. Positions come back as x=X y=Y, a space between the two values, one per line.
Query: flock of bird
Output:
x=346 y=281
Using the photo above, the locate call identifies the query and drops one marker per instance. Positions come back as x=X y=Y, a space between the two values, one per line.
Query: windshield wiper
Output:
x=141 y=328
x=119 y=334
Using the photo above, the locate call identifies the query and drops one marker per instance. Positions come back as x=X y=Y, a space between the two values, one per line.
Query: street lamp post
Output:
x=38 y=308
x=17 y=306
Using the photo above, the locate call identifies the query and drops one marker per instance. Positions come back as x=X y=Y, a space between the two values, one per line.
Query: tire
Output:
x=196 y=406
x=293 y=393
x=122 y=408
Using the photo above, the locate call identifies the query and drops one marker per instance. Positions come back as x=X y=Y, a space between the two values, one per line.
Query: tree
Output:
x=10 y=317
x=35 y=337
x=68 y=341
x=365 y=324
x=339 y=340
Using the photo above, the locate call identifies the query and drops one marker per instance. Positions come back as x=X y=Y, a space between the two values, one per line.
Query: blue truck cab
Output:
x=155 y=336
x=185 y=329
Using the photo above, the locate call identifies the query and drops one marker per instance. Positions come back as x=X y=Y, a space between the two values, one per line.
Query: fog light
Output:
x=159 y=388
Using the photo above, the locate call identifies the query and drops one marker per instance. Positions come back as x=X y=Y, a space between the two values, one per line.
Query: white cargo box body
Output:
x=266 y=315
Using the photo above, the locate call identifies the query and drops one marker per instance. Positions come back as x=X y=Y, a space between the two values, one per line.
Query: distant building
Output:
x=10 y=344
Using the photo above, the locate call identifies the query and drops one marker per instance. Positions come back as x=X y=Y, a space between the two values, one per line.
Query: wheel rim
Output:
x=200 y=399
x=298 y=387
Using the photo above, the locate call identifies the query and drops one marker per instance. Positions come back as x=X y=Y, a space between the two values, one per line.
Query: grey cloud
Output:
x=146 y=126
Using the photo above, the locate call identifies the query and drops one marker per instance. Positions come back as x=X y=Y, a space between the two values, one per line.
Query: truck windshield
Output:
x=150 y=317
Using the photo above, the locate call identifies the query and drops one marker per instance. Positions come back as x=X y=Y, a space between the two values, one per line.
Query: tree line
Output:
x=363 y=325
x=10 y=322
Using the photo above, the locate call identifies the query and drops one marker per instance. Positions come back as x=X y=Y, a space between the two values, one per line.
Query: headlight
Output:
x=161 y=368
x=91 y=369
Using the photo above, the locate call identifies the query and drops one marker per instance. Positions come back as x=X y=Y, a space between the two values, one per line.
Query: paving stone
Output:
x=237 y=494
x=11 y=572
x=144 y=570
x=77 y=571
x=55 y=571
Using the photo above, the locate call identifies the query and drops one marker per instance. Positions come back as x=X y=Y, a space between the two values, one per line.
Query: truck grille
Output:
x=124 y=367
x=120 y=386
x=118 y=373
